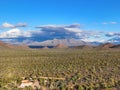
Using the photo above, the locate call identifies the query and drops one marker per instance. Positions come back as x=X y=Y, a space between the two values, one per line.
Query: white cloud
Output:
x=15 y=33
x=105 y=23
x=7 y=25
x=59 y=26
x=112 y=23
x=113 y=34
x=94 y=40
x=76 y=30
x=21 y=25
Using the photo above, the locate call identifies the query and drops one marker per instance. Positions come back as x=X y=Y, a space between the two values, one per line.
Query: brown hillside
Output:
x=10 y=46
x=23 y=47
x=116 y=46
x=106 y=46
x=61 y=46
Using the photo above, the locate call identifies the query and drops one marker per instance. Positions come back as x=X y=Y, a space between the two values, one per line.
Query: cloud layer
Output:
x=113 y=34
x=50 y=32
x=8 y=25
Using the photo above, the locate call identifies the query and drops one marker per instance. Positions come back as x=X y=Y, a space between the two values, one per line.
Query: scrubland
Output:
x=61 y=69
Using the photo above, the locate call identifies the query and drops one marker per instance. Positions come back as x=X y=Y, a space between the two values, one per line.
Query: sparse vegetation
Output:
x=77 y=69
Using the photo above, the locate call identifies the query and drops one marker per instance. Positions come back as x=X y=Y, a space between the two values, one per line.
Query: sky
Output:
x=89 y=20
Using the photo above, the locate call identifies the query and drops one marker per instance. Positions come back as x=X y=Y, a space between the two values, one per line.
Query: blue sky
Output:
x=92 y=15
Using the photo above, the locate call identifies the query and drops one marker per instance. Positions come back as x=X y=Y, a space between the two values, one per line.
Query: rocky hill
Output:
x=10 y=46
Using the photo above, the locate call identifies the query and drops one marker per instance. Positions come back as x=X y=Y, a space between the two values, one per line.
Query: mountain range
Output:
x=64 y=44
x=73 y=42
x=67 y=42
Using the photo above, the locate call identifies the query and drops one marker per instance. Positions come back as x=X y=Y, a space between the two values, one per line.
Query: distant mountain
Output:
x=67 y=42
